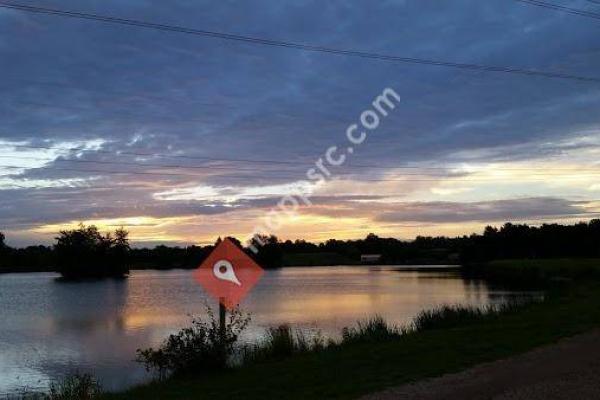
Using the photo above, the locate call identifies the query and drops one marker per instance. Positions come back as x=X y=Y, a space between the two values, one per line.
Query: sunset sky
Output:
x=182 y=138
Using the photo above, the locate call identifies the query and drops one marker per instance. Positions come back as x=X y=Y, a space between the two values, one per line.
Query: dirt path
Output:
x=569 y=369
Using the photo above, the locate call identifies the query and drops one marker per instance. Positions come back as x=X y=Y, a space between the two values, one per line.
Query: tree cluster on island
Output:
x=84 y=253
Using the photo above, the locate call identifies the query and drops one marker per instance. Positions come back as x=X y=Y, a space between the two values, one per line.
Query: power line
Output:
x=232 y=160
x=568 y=10
x=176 y=156
x=263 y=170
x=137 y=164
x=243 y=160
x=289 y=45
x=289 y=177
x=70 y=186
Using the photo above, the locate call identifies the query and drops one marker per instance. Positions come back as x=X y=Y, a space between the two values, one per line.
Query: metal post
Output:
x=222 y=318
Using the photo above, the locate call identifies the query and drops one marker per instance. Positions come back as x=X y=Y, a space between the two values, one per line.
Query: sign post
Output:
x=228 y=274
x=222 y=319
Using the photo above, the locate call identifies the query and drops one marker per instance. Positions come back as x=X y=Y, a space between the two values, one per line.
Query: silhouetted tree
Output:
x=119 y=249
x=524 y=241
x=3 y=251
x=85 y=253
x=270 y=253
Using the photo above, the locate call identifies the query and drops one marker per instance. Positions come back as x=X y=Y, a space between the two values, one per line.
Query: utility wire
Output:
x=83 y=185
x=264 y=169
x=143 y=154
x=290 y=45
x=286 y=177
x=237 y=160
x=568 y=10
x=137 y=164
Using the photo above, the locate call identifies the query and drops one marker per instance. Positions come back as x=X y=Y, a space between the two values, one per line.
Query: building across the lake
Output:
x=370 y=258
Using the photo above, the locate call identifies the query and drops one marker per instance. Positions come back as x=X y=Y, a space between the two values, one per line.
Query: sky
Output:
x=183 y=138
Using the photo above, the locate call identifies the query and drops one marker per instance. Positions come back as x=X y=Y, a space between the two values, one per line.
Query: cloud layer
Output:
x=171 y=126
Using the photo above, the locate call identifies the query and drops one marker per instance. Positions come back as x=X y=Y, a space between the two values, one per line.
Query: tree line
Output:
x=85 y=252
x=81 y=253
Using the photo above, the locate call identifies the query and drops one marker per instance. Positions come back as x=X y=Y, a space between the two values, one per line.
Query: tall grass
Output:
x=80 y=387
x=375 y=329
x=200 y=348
x=283 y=341
x=453 y=316
x=73 y=387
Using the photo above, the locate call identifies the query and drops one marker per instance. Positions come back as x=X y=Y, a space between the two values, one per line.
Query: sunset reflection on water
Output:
x=50 y=328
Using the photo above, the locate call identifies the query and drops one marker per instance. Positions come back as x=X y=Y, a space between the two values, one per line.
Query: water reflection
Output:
x=71 y=304
x=87 y=321
x=50 y=328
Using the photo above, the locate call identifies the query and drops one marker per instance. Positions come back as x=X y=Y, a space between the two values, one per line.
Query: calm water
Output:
x=48 y=328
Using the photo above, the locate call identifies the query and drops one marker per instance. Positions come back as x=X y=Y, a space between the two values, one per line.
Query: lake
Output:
x=50 y=328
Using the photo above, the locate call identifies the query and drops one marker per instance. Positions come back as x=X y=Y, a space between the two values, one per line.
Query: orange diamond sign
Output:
x=228 y=274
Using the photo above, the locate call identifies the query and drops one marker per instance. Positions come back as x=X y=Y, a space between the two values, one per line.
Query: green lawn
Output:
x=353 y=370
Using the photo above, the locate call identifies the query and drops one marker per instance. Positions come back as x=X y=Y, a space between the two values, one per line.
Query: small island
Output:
x=84 y=253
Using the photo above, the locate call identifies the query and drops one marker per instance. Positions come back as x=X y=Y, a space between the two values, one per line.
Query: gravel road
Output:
x=569 y=369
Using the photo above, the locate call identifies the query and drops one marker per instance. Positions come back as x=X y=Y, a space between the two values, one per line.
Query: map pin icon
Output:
x=223 y=270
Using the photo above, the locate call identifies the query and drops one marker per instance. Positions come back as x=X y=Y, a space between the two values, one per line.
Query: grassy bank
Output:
x=360 y=367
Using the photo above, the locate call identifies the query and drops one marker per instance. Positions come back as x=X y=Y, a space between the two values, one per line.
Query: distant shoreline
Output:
x=413 y=266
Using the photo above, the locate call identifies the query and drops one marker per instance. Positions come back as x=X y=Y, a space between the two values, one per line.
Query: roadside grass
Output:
x=372 y=330
x=455 y=315
x=282 y=342
x=448 y=340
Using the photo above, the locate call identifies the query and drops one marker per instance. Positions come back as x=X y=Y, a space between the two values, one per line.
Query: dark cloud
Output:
x=56 y=205
x=483 y=211
x=150 y=92
x=47 y=206
x=80 y=79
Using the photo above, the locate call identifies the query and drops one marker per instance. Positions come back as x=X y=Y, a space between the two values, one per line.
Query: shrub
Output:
x=198 y=348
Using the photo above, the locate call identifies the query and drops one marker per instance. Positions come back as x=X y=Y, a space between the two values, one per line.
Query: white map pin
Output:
x=224 y=270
